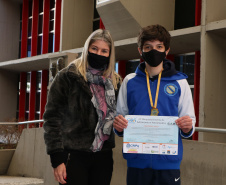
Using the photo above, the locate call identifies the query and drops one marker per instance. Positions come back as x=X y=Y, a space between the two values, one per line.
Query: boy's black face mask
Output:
x=98 y=62
x=153 y=57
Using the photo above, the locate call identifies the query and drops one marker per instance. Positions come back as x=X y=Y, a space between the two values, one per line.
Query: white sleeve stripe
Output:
x=122 y=107
x=185 y=106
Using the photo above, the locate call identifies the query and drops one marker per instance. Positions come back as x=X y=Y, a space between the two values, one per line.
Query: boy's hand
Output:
x=120 y=123
x=184 y=123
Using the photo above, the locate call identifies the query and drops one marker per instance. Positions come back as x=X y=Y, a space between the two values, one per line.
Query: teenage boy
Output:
x=169 y=95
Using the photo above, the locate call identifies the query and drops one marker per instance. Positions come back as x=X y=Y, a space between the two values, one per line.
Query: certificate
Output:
x=151 y=135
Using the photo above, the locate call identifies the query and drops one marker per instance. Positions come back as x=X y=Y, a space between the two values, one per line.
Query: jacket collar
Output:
x=168 y=69
x=74 y=74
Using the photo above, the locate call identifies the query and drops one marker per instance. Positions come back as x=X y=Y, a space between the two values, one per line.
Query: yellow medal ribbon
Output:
x=154 y=111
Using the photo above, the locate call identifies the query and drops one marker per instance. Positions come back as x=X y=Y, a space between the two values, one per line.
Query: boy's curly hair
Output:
x=153 y=32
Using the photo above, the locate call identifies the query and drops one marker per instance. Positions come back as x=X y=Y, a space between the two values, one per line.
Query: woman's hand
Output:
x=120 y=123
x=60 y=173
x=184 y=123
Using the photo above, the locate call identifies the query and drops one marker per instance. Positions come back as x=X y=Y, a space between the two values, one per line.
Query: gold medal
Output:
x=154 y=110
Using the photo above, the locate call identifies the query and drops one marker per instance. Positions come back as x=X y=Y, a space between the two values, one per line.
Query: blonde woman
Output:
x=79 y=115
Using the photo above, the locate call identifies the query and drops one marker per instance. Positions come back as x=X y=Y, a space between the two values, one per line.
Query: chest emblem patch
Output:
x=171 y=89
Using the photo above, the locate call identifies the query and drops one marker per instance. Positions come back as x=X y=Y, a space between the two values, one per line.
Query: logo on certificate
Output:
x=132 y=145
x=131 y=120
x=174 y=152
x=132 y=148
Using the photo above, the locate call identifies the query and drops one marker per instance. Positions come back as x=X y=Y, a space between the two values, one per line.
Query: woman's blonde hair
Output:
x=82 y=62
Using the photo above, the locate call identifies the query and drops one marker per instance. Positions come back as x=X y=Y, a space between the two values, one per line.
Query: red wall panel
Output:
x=101 y=24
x=32 y=97
x=45 y=38
x=34 y=32
x=197 y=69
x=24 y=29
x=57 y=25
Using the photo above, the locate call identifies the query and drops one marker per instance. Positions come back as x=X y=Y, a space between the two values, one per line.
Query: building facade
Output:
x=40 y=37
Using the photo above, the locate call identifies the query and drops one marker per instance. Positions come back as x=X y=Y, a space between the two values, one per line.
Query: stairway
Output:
x=12 y=180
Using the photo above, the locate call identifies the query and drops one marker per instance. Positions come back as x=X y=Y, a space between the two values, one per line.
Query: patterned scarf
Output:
x=104 y=101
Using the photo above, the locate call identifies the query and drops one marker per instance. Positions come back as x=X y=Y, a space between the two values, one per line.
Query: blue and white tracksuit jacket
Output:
x=175 y=99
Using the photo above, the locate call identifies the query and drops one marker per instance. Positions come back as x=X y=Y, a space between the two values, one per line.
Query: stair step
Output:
x=12 y=180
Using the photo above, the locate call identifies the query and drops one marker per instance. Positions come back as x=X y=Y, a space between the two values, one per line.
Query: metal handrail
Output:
x=22 y=122
x=212 y=130
x=29 y=122
x=197 y=129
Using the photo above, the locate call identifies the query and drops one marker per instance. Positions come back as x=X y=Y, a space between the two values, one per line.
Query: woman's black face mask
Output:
x=98 y=62
x=153 y=57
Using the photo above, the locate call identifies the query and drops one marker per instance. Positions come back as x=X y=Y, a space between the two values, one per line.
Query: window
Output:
x=186 y=64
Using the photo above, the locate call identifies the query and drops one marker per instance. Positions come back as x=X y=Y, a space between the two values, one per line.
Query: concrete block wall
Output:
x=30 y=158
x=5 y=159
x=204 y=163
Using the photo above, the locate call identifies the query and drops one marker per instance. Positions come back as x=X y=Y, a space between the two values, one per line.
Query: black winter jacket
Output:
x=70 y=118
